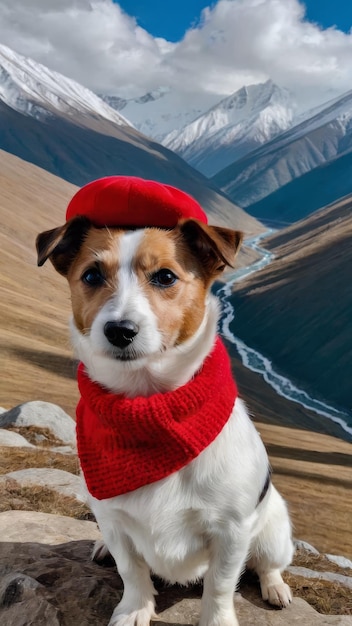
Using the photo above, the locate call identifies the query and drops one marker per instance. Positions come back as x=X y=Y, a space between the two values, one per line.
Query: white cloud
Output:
x=237 y=42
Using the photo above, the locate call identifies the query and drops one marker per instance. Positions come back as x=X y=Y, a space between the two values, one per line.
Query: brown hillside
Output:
x=35 y=361
x=297 y=310
x=313 y=471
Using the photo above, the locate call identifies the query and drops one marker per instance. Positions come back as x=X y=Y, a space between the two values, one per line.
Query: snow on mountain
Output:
x=161 y=111
x=58 y=125
x=292 y=157
x=33 y=89
x=233 y=127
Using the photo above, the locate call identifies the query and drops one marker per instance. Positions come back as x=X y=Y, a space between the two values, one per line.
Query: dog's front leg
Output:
x=228 y=553
x=137 y=605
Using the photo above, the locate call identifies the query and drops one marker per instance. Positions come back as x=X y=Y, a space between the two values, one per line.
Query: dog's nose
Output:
x=120 y=334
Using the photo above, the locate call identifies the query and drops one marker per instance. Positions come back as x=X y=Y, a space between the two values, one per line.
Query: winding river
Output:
x=255 y=361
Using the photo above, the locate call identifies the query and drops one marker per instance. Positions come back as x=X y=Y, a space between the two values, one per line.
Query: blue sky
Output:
x=165 y=18
x=170 y=19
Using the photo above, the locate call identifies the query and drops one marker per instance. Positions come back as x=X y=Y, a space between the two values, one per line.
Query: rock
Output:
x=186 y=612
x=341 y=561
x=42 y=415
x=303 y=545
x=60 y=481
x=12 y=439
x=46 y=573
x=18 y=589
x=63 y=449
x=45 y=528
x=334 y=577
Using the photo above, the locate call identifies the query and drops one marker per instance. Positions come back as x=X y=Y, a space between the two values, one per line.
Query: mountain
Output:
x=60 y=126
x=301 y=163
x=297 y=310
x=233 y=127
x=32 y=89
x=302 y=196
x=161 y=111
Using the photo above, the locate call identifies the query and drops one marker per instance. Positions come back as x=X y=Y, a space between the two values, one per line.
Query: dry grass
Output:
x=41 y=499
x=329 y=598
x=325 y=597
x=12 y=459
x=38 y=436
x=318 y=562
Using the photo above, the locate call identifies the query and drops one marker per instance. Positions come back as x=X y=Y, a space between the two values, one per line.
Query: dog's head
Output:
x=140 y=259
x=136 y=293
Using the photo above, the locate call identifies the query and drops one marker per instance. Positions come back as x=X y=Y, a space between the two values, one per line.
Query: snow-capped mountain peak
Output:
x=160 y=111
x=237 y=124
x=33 y=89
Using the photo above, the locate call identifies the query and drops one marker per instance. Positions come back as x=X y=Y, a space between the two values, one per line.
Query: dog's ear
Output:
x=61 y=244
x=215 y=247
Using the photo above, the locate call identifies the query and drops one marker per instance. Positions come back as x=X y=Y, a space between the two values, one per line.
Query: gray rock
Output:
x=45 y=528
x=46 y=573
x=18 y=589
x=11 y=439
x=42 y=415
x=334 y=577
x=339 y=560
x=60 y=481
x=186 y=612
x=303 y=545
x=63 y=449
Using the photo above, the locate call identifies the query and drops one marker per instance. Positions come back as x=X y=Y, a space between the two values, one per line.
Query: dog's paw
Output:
x=141 y=617
x=278 y=594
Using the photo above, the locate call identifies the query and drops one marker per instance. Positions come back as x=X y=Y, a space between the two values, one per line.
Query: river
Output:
x=255 y=361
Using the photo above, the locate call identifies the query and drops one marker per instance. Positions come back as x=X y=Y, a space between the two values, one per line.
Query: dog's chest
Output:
x=169 y=524
x=173 y=543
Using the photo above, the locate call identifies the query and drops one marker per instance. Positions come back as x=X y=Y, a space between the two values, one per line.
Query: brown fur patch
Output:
x=179 y=308
x=100 y=248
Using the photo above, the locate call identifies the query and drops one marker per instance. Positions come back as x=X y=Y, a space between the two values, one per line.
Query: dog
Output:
x=181 y=489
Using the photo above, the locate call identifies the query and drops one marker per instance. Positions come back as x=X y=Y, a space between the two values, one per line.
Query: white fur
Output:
x=200 y=522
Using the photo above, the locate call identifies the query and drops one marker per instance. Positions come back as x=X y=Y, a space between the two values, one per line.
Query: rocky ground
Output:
x=47 y=537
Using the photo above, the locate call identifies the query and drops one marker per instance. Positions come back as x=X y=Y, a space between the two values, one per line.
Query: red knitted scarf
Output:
x=125 y=443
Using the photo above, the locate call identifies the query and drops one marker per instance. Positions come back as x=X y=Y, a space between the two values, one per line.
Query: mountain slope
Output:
x=32 y=89
x=79 y=155
x=324 y=184
x=319 y=140
x=297 y=310
x=52 y=122
x=36 y=359
x=159 y=112
x=233 y=127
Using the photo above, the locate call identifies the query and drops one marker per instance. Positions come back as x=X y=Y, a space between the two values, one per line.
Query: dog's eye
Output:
x=93 y=277
x=163 y=278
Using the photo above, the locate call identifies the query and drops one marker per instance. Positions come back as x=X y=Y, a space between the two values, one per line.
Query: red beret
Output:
x=129 y=201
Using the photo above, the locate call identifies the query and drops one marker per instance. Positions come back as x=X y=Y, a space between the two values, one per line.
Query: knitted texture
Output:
x=130 y=202
x=125 y=443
